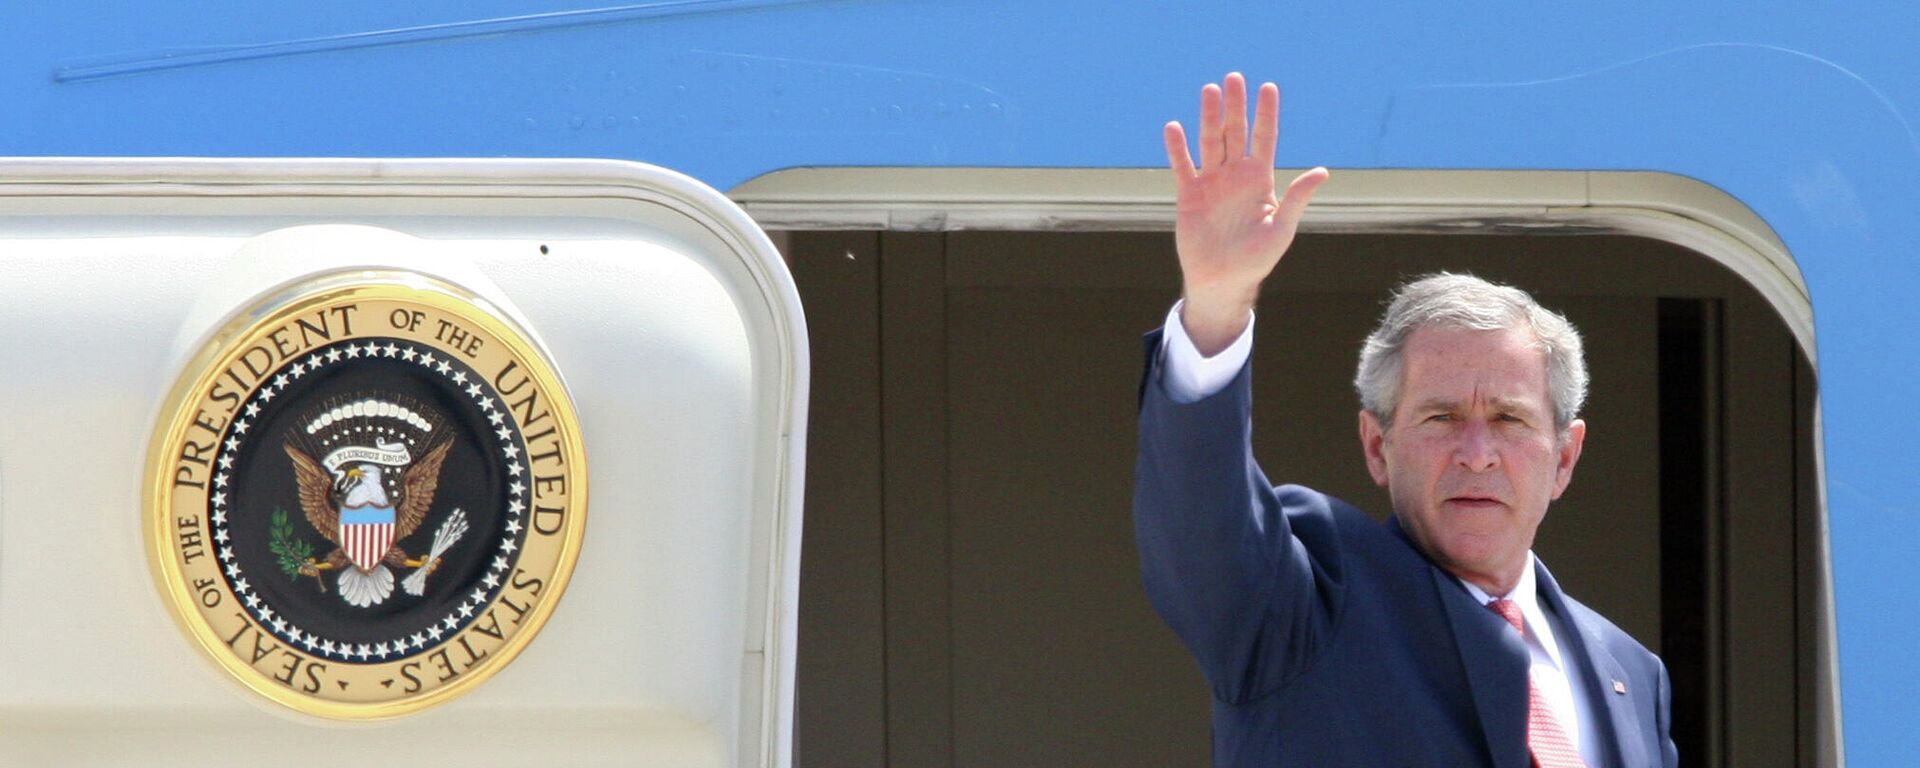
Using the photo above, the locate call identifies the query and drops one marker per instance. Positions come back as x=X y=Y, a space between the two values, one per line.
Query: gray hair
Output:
x=1448 y=300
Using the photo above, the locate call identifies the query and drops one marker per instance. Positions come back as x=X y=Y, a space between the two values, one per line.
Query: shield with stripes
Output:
x=366 y=533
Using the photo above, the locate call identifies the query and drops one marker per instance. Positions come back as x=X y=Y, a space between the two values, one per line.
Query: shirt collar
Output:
x=1525 y=594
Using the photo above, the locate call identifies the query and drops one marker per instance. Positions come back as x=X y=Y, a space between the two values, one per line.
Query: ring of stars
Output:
x=475 y=601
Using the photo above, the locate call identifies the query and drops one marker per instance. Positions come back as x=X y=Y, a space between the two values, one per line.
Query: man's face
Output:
x=1472 y=458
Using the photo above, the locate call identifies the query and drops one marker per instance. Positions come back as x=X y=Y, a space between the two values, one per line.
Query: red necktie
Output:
x=1545 y=738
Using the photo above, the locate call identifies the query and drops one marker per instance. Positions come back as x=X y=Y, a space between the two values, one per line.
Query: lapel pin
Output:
x=1619 y=687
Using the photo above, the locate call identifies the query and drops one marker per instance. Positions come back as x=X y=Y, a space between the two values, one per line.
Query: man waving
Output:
x=1435 y=638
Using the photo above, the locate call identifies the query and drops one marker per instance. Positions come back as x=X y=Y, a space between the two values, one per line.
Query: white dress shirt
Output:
x=1189 y=377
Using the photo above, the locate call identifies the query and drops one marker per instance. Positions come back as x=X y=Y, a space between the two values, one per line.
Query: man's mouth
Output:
x=1472 y=501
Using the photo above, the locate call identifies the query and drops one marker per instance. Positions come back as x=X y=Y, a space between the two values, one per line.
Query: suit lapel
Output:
x=1496 y=664
x=1602 y=673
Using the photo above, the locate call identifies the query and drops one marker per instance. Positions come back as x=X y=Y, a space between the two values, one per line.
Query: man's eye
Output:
x=1440 y=417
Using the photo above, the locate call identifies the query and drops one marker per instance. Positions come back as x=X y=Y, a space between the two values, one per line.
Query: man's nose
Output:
x=1475 y=450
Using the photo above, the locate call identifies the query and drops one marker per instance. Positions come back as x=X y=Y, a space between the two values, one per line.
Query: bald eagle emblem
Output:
x=368 y=492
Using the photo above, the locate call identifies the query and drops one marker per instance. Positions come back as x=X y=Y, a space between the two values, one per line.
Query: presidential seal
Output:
x=366 y=495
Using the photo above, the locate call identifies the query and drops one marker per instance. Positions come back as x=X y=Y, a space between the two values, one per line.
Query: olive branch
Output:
x=292 y=551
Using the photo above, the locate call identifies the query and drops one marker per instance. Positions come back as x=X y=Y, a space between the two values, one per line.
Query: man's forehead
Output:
x=1452 y=366
x=1466 y=350
x=1527 y=402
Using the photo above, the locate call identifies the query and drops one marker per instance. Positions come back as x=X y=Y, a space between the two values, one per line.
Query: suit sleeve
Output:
x=1669 y=755
x=1247 y=575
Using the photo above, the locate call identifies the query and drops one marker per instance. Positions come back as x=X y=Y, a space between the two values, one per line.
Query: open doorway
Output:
x=970 y=589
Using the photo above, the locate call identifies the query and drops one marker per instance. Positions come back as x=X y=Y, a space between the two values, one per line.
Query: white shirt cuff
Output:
x=1187 y=376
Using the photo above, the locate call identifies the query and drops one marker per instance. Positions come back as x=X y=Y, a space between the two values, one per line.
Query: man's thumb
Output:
x=1294 y=204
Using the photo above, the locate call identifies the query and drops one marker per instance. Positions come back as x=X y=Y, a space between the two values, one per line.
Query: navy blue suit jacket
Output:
x=1328 y=638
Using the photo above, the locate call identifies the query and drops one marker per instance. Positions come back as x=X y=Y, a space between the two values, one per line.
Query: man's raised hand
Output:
x=1231 y=229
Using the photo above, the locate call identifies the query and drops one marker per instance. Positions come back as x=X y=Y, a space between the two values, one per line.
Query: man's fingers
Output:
x=1178 y=158
x=1266 y=124
x=1294 y=204
x=1234 y=135
x=1211 y=152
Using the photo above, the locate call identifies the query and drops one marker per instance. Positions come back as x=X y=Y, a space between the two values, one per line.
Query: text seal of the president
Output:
x=366 y=494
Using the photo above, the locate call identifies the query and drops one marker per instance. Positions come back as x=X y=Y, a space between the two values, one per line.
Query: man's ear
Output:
x=1568 y=455
x=1373 y=444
